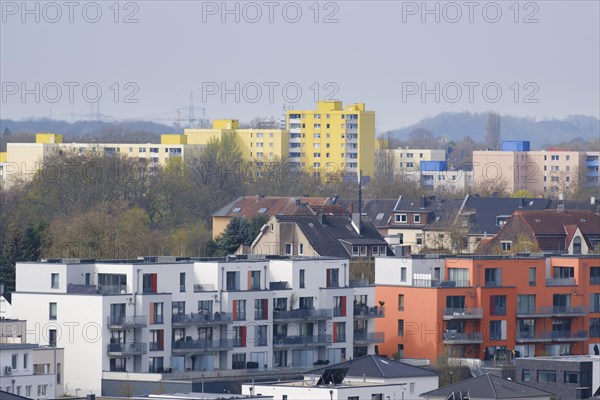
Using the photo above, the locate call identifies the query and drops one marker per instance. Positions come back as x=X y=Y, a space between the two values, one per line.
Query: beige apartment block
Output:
x=542 y=173
x=406 y=160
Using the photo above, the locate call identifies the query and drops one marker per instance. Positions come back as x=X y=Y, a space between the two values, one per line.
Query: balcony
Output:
x=112 y=289
x=199 y=319
x=450 y=337
x=368 y=312
x=207 y=287
x=368 y=337
x=552 y=311
x=202 y=346
x=551 y=336
x=462 y=313
x=126 y=349
x=301 y=314
x=560 y=282
x=127 y=322
x=434 y=283
x=302 y=341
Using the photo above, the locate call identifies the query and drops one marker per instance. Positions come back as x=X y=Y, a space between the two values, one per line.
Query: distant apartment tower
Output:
x=333 y=138
x=260 y=145
x=549 y=172
x=408 y=160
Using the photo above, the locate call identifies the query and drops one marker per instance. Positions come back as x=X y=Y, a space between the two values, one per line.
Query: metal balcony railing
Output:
x=316 y=313
x=460 y=337
x=369 y=337
x=369 y=312
x=126 y=348
x=202 y=319
x=302 y=341
x=122 y=321
x=462 y=313
x=202 y=345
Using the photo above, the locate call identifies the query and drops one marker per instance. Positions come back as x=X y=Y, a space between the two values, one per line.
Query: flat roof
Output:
x=18 y=346
x=308 y=384
x=571 y=358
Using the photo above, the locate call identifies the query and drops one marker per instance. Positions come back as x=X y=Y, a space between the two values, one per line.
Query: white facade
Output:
x=194 y=315
x=18 y=375
x=420 y=271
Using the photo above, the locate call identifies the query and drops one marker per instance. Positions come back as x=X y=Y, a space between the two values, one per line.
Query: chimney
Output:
x=356 y=216
x=297 y=202
x=350 y=208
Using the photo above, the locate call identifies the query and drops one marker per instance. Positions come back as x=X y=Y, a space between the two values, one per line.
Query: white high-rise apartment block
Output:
x=164 y=315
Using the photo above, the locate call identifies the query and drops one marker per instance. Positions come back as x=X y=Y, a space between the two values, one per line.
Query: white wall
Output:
x=24 y=376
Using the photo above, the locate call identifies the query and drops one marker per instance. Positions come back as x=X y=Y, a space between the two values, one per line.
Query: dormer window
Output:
x=417 y=218
x=401 y=218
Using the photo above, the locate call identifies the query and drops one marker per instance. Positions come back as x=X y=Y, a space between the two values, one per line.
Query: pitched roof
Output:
x=250 y=206
x=487 y=209
x=380 y=211
x=333 y=235
x=373 y=366
x=11 y=396
x=489 y=387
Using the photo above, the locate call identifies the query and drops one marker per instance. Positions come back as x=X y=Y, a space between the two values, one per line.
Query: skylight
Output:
x=379 y=216
x=236 y=210
x=262 y=210
x=582 y=220
x=538 y=220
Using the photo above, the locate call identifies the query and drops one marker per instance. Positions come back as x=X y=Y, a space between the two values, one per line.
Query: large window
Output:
x=339 y=332
x=526 y=304
x=110 y=283
x=339 y=306
x=545 y=376
x=595 y=302
x=497 y=330
x=261 y=309
x=260 y=335
x=595 y=275
x=563 y=273
x=306 y=303
x=156 y=313
x=238 y=361
x=155 y=364
x=150 y=283
x=460 y=276
x=526 y=375
x=118 y=364
x=239 y=310
x=254 y=283
x=493 y=277
x=333 y=277
x=233 y=280
x=498 y=305
x=157 y=340
x=595 y=327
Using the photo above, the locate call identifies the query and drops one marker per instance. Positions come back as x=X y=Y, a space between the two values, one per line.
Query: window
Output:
x=42 y=390
x=554 y=158
x=15 y=358
x=577 y=245
x=400 y=218
x=333 y=277
x=377 y=396
x=339 y=306
x=402 y=274
x=150 y=283
x=156 y=313
x=239 y=336
x=506 y=245
x=417 y=218
x=339 y=332
x=355 y=250
x=302 y=281
x=497 y=330
x=498 y=305
x=545 y=376
x=401 y=350
x=54 y=281
x=157 y=340
x=363 y=250
x=400 y=327
x=289 y=249
x=563 y=273
x=493 y=277
x=254 y=282
x=233 y=280
x=595 y=302
x=532 y=276
x=239 y=310
x=25 y=361
x=595 y=275
x=238 y=361
x=526 y=304
x=571 y=377
x=155 y=364
x=400 y=302
x=118 y=364
x=526 y=375
x=300 y=249
x=595 y=327
x=182 y=281
x=53 y=313
x=419 y=239
x=260 y=335
x=261 y=309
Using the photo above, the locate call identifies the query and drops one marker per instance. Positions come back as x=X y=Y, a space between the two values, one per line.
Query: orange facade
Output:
x=535 y=306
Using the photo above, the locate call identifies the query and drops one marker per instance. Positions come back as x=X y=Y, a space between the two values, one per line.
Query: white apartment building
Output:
x=416 y=270
x=164 y=315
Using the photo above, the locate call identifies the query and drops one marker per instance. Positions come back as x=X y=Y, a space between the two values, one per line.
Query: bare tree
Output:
x=492 y=133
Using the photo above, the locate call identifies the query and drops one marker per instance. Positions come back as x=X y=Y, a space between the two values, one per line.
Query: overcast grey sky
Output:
x=544 y=57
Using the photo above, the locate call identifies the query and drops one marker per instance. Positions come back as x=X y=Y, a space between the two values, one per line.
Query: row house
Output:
x=170 y=316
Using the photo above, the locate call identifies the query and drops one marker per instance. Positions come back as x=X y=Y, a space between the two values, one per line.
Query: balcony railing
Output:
x=125 y=349
x=369 y=337
x=131 y=321
x=550 y=311
x=302 y=341
x=208 y=287
x=550 y=336
x=493 y=283
x=112 y=289
x=462 y=313
x=339 y=312
x=202 y=319
x=314 y=314
x=368 y=312
x=462 y=338
x=560 y=282
x=434 y=283
x=202 y=345
x=362 y=282
x=82 y=289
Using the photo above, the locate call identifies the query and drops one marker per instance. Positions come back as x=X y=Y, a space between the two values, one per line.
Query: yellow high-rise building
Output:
x=332 y=138
x=262 y=145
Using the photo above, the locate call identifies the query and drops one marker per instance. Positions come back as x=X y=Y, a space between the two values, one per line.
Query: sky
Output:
x=406 y=60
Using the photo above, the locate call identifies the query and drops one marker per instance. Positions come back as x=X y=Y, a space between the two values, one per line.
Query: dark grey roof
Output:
x=18 y=346
x=487 y=209
x=10 y=396
x=489 y=387
x=333 y=235
x=372 y=366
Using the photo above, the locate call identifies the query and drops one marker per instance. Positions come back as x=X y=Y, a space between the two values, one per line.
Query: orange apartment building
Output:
x=461 y=306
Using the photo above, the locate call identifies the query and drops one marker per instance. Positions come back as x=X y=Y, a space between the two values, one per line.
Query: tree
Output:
x=491 y=187
x=522 y=194
x=239 y=232
x=492 y=133
x=22 y=245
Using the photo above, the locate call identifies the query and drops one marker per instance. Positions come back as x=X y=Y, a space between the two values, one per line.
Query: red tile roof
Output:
x=553 y=222
x=250 y=206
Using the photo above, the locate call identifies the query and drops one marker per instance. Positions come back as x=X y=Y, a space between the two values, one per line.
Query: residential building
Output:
x=487 y=387
x=259 y=145
x=195 y=316
x=333 y=139
x=367 y=377
x=547 y=172
x=411 y=160
x=12 y=330
x=435 y=175
x=567 y=377
x=24 y=159
x=31 y=371
x=549 y=231
x=252 y=206
x=480 y=305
